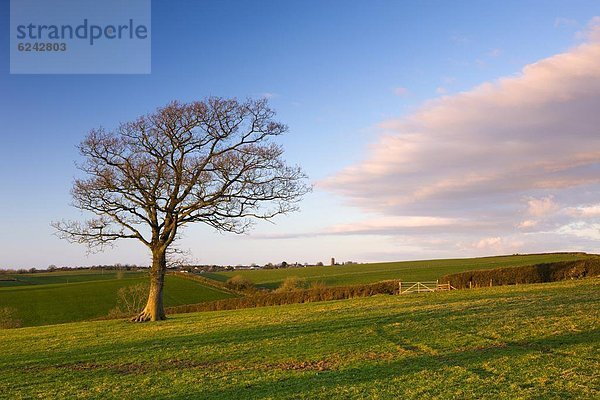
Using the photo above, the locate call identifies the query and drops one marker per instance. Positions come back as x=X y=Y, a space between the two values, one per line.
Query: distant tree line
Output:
x=54 y=268
x=181 y=268
x=270 y=265
x=538 y=273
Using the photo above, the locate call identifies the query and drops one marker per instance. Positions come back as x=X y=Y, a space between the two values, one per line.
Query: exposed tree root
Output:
x=146 y=316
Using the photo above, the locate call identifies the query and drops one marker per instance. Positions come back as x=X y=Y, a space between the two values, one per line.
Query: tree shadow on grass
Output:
x=239 y=336
x=144 y=356
x=232 y=336
x=300 y=385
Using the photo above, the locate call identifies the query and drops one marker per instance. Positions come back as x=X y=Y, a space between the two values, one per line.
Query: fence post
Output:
x=490 y=283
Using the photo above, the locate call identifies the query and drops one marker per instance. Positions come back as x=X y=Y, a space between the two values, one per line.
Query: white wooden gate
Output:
x=421 y=287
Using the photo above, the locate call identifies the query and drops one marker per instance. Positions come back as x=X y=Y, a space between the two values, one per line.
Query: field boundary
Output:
x=405 y=287
x=206 y=281
x=419 y=270
x=260 y=299
x=536 y=273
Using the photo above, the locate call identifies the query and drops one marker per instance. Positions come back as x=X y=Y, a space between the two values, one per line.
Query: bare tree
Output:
x=209 y=161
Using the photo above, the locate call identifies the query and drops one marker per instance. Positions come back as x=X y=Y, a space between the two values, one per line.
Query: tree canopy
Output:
x=210 y=162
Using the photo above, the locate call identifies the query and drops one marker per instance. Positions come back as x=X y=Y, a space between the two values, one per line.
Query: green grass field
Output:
x=52 y=303
x=405 y=270
x=68 y=296
x=46 y=278
x=528 y=342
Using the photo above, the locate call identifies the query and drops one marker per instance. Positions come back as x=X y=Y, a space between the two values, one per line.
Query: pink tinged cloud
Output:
x=528 y=223
x=389 y=224
x=582 y=230
x=542 y=207
x=500 y=164
x=539 y=209
x=497 y=245
x=523 y=135
x=585 y=211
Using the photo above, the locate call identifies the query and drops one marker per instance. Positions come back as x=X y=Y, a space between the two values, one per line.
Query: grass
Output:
x=529 y=342
x=46 y=278
x=68 y=296
x=405 y=270
x=53 y=303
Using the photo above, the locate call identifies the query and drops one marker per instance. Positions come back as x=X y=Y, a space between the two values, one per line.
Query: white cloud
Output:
x=536 y=131
x=542 y=207
x=497 y=245
x=487 y=242
x=528 y=223
x=582 y=230
x=475 y=156
x=590 y=211
x=592 y=31
x=394 y=223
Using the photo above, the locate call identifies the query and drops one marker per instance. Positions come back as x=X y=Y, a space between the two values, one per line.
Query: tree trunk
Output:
x=154 y=310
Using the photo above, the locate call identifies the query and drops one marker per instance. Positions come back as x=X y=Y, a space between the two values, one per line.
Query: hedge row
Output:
x=539 y=273
x=207 y=282
x=291 y=297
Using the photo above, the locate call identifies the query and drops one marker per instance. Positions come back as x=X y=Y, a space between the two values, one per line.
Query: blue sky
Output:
x=335 y=71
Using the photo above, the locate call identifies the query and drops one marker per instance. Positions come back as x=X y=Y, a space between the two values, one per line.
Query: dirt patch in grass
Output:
x=81 y=366
x=320 y=365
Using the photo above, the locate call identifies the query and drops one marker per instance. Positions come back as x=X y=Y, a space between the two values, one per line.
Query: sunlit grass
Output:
x=43 y=304
x=406 y=270
x=527 y=341
x=46 y=278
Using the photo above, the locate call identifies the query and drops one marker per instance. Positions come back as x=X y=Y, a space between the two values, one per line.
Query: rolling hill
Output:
x=82 y=299
x=425 y=270
x=527 y=341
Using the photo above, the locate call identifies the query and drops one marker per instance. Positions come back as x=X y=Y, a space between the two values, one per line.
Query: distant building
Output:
x=332 y=260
